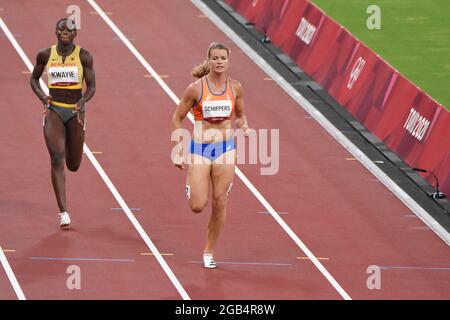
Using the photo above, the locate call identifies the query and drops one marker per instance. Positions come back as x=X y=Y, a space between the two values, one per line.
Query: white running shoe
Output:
x=208 y=261
x=64 y=219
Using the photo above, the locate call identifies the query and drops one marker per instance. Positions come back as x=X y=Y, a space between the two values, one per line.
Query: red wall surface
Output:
x=409 y=121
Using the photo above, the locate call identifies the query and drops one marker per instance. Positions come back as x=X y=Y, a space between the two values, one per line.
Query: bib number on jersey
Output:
x=63 y=76
x=216 y=109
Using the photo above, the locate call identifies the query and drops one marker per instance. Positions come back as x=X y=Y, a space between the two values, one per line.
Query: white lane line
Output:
x=294 y=237
x=107 y=181
x=8 y=270
x=6 y=266
x=81 y=259
x=327 y=125
x=239 y=173
x=137 y=225
x=269 y=264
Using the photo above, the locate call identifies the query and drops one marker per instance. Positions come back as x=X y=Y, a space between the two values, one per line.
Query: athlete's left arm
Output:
x=241 y=118
x=89 y=76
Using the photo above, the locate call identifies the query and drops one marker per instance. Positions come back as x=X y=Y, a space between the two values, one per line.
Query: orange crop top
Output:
x=214 y=107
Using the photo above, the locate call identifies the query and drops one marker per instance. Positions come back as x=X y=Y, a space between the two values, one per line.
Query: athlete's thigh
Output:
x=222 y=174
x=75 y=139
x=198 y=178
x=54 y=133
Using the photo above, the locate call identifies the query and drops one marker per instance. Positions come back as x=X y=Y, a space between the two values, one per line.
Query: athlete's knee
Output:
x=197 y=208
x=73 y=166
x=198 y=205
x=57 y=159
x=219 y=200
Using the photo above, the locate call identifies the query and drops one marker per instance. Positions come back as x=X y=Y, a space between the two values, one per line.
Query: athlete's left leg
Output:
x=222 y=175
x=74 y=142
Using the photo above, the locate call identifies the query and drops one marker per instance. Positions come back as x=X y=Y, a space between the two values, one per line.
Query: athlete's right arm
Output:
x=41 y=60
x=188 y=100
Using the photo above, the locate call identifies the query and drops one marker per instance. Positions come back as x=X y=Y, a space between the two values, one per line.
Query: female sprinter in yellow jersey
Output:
x=67 y=66
x=213 y=98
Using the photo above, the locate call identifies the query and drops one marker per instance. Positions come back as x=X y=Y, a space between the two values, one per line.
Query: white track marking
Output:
x=8 y=270
x=137 y=225
x=328 y=126
x=6 y=266
x=239 y=173
x=107 y=181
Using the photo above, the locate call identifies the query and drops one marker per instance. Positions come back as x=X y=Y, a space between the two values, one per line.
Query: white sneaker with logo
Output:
x=208 y=261
x=64 y=219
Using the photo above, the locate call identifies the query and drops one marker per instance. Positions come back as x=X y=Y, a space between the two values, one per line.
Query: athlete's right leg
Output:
x=55 y=138
x=197 y=184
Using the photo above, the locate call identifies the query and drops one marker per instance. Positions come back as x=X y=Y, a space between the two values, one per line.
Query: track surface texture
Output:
x=345 y=217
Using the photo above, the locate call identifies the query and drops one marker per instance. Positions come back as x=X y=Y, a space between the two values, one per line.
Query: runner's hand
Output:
x=46 y=102
x=245 y=131
x=80 y=108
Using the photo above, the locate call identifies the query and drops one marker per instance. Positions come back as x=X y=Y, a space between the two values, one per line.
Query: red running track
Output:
x=332 y=204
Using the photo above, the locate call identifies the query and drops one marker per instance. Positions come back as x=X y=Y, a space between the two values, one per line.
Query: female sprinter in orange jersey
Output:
x=213 y=98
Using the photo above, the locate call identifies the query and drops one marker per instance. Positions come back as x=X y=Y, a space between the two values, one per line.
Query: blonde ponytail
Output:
x=201 y=70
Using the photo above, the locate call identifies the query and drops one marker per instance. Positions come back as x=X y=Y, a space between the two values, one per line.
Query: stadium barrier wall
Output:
x=412 y=124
